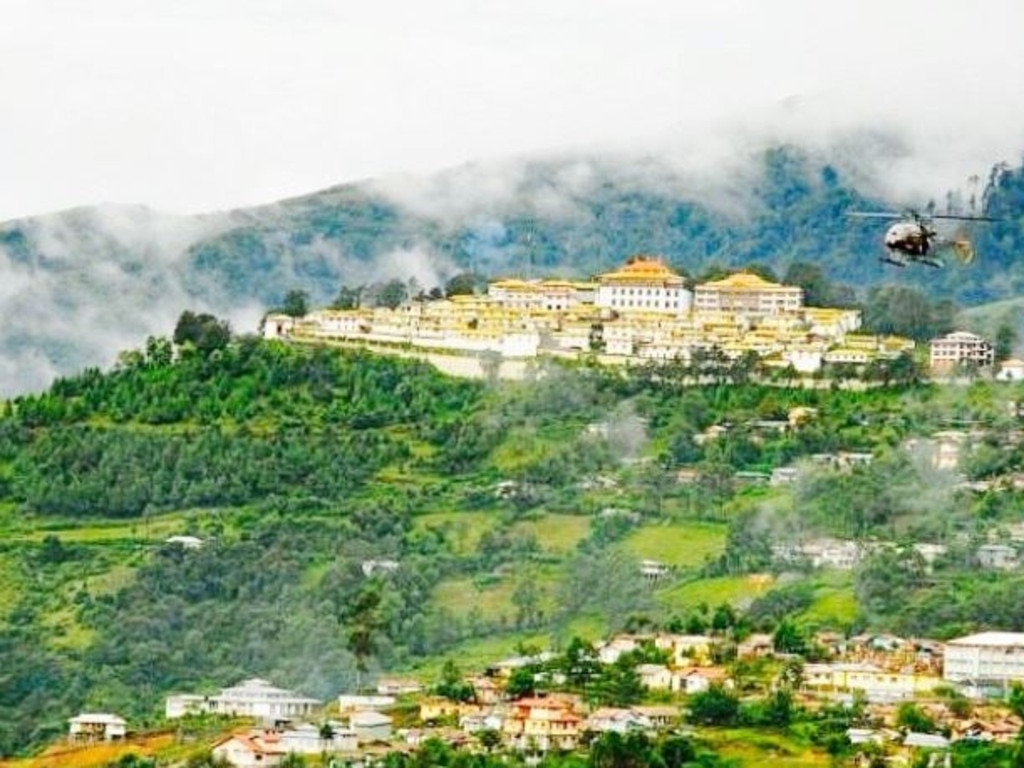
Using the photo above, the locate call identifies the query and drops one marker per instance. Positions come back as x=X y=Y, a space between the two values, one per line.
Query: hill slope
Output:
x=515 y=513
x=81 y=285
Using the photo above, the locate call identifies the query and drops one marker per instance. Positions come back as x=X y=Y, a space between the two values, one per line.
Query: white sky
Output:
x=192 y=105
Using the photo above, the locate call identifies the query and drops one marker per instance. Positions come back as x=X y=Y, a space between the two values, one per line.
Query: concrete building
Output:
x=398 y=686
x=99 y=726
x=643 y=284
x=185 y=542
x=370 y=726
x=308 y=739
x=960 y=348
x=616 y=720
x=656 y=677
x=747 y=294
x=985 y=659
x=250 y=698
x=357 y=702
x=1011 y=370
x=278 y=326
x=545 y=295
x=997 y=557
x=245 y=751
x=543 y=724
x=877 y=685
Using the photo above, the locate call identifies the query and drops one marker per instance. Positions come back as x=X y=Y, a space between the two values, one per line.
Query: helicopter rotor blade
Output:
x=964 y=218
x=875 y=215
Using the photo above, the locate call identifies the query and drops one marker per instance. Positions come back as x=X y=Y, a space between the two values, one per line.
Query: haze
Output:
x=196 y=105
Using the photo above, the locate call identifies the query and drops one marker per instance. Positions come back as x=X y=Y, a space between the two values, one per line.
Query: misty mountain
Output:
x=78 y=286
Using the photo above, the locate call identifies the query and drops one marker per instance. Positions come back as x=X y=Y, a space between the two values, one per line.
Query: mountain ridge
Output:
x=81 y=285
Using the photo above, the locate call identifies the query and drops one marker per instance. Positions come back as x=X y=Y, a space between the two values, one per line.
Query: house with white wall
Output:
x=985 y=659
x=250 y=698
x=97 y=726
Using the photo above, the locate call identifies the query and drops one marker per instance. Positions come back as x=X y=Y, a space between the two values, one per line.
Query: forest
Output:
x=297 y=466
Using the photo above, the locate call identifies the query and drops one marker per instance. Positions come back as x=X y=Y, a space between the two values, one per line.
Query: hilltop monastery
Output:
x=640 y=312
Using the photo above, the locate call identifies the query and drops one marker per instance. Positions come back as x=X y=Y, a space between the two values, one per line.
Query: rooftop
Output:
x=994 y=639
x=368 y=719
x=98 y=717
x=642 y=267
x=745 y=281
x=960 y=336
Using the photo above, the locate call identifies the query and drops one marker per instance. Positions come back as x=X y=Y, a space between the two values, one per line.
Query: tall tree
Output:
x=364 y=621
x=348 y=297
x=392 y=293
x=811 y=278
x=1006 y=340
x=462 y=284
x=296 y=303
x=203 y=332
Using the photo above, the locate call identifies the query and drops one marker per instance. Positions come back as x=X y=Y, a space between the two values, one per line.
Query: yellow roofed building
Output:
x=747 y=293
x=546 y=295
x=643 y=284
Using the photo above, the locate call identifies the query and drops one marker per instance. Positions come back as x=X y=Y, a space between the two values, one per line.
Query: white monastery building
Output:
x=643 y=284
x=544 y=295
x=250 y=698
x=987 y=657
x=748 y=294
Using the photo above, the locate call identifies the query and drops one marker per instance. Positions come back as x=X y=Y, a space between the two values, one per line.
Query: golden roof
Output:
x=557 y=284
x=746 y=281
x=642 y=268
x=514 y=283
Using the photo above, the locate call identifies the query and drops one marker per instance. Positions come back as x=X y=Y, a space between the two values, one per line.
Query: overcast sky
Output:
x=194 y=105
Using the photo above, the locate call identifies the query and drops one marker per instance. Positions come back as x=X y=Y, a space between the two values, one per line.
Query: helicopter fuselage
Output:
x=910 y=238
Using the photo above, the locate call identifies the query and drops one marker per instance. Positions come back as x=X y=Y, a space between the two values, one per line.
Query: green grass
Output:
x=761 y=747
x=587 y=627
x=684 y=545
x=524 y=446
x=464 y=529
x=461 y=596
x=10 y=581
x=108 y=582
x=474 y=656
x=737 y=590
x=157 y=527
x=493 y=596
x=65 y=632
x=50 y=590
x=556 y=533
x=835 y=604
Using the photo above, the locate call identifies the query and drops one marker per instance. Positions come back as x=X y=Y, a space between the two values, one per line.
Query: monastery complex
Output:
x=641 y=312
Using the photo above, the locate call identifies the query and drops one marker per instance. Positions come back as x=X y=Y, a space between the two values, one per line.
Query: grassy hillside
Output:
x=510 y=520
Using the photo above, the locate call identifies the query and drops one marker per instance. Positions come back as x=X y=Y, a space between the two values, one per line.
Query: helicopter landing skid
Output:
x=894 y=262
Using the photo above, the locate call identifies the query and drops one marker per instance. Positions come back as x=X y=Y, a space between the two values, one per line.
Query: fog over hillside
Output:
x=77 y=287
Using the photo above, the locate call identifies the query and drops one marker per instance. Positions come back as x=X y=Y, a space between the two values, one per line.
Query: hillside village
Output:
x=680 y=668
x=643 y=311
x=892 y=696
x=904 y=698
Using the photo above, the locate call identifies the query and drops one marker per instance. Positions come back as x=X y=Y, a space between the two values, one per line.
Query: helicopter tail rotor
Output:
x=963 y=250
x=960 y=246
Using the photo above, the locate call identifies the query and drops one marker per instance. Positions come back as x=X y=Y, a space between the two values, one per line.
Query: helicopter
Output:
x=913 y=239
